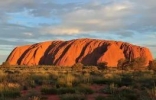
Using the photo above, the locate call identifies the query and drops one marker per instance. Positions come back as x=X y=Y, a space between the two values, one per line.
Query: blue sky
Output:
x=29 y=21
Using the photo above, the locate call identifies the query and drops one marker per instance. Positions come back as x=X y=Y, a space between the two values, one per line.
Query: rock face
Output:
x=86 y=51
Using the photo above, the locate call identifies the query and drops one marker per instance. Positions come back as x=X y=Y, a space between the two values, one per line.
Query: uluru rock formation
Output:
x=67 y=53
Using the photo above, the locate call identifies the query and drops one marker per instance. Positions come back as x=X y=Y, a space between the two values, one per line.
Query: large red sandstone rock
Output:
x=67 y=53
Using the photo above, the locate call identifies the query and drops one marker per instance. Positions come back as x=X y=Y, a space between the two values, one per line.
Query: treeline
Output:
x=123 y=64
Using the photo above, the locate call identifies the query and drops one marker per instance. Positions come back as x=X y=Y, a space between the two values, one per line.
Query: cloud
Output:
x=15 y=42
x=28 y=34
x=88 y=17
x=36 y=8
x=30 y=21
x=91 y=18
x=15 y=31
x=60 y=31
x=99 y=19
x=123 y=18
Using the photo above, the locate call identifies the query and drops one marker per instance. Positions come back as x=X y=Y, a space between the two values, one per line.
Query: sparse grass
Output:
x=73 y=84
x=66 y=90
x=9 y=90
x=151 y=93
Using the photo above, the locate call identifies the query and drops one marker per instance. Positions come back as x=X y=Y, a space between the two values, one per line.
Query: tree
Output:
x=138 y=63
x=152 y=65
x=77 y=66
x=102 y=65
x=121 y=63
x=135 y=63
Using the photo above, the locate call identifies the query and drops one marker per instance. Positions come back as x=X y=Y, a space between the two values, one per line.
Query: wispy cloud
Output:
x=29 y=21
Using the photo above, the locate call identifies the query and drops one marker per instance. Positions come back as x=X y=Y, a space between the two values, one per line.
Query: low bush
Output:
x=84 y=90
x=72 y=97
x=151 y=93
x=32 y=95
x=126 y=80
x=66 y=90
x=48 y=90
x=102 y=65
x=77 y=66
x=66 y=80
x=152 y=65
x=126 y=94
x=10 y=93
x=109 y=89
x=99 y=97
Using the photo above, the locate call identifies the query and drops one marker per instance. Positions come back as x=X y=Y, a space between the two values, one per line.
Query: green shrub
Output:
x=135 y=63
x=105 y=81
x=152 y=65
x=66 y=80
x=138 y=63
x=102 y=65
x=109 y=89
x=122 y=64
x=126 y=80
x=151 y=93
x=53 y=90
x=10 y=93
x=31 y=95
x=77 y=66
x=66 y=90
x=99 y=81
x=34 y=98
x=72 y=97
x=99 y=97
x=48 y=90
x=126 y=94
x=85 y=90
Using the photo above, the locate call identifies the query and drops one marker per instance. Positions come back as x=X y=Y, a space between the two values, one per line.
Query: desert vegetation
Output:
x=79 y=82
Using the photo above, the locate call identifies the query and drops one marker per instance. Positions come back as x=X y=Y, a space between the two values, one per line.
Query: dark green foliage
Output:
x=48 y=90
x=109 y=89
x=53 y=90
x=72 y=97
x=101 y=81
x=136 y=63
x=145 y=83
x=126 y=80
x=126 y=94
x=121 y=94
x=122 y=64
x=152 y=65
x=10 y=93
x=102 y=65
x=105 y=81
x=38 y=82
x=106 y=90
x=25 y=87
x=99 y=97
x=66 y=90
x=114 y=84
x=85 y=90
x=77 y=66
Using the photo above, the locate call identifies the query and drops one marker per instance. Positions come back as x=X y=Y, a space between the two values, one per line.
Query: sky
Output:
x=25 y=22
